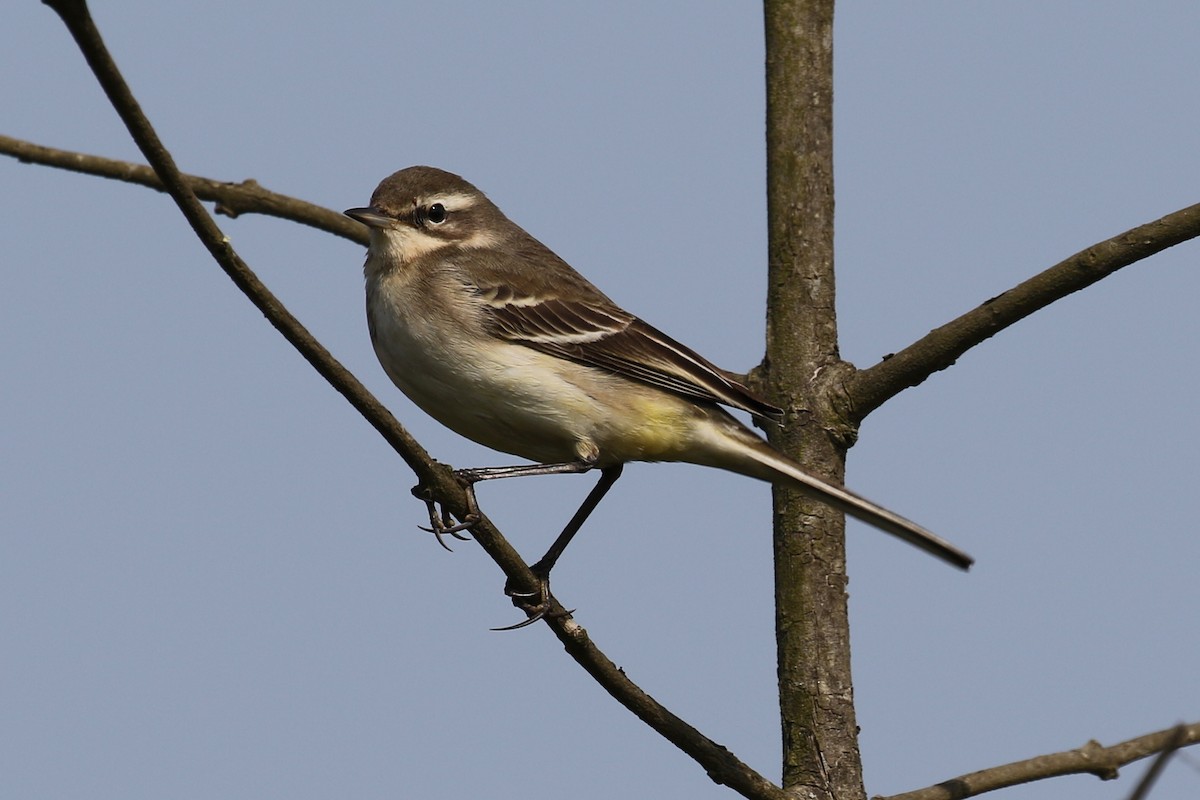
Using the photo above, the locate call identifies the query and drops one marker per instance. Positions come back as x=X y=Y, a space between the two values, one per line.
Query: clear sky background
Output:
x=211 y=582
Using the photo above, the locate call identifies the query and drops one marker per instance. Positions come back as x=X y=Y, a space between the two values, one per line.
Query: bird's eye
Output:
x=436 y=214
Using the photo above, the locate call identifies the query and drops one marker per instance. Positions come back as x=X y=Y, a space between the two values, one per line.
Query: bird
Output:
x=499 y=339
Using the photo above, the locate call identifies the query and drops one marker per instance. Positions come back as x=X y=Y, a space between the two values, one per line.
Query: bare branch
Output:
x=1092 y=758
x=232 y=199
x=872 y=387
x=720 y=764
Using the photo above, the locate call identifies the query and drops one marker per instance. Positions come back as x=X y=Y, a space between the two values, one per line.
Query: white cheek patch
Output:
x=480 y=239
x=403 y=244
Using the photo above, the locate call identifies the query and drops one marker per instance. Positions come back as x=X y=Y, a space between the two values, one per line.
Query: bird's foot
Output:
x=440 y=521
x=536 y=604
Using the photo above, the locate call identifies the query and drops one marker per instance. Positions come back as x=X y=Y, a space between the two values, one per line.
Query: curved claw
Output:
x=541 y=613
x=441 y=523
x=441 y=530
x=453 y=530
x=538 y=607
x=438 y=533
x=532 y=619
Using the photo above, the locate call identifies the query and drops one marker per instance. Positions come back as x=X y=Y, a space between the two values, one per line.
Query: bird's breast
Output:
x=503 y=395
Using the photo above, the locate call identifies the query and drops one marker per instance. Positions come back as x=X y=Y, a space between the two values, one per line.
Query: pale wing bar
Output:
x=611 y=339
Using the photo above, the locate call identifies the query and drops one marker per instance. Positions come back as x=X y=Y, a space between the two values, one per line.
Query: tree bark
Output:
x=820 y=741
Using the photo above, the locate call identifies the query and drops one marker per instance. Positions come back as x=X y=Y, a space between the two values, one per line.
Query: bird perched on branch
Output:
x=499 y=339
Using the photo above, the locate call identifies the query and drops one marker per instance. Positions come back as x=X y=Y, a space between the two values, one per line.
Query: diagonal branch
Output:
x=1092 y=758
x=721 y=765
x=872 y=387
x=232 y=199
x=436 y=477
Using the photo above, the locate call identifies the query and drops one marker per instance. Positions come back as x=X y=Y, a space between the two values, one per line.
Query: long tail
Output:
x=742 y=451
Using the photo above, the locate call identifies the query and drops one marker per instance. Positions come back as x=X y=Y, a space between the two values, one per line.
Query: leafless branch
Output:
x=232 y=199
x=720 y=764
x=870 y=388
x=1092 y=758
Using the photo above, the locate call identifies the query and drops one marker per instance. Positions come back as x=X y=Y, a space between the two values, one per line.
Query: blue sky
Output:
x=211 y=583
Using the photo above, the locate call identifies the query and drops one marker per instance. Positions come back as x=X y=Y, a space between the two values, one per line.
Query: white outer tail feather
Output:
x=751 y=456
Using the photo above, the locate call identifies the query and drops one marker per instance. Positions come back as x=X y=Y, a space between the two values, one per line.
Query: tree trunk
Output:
x=820 y=738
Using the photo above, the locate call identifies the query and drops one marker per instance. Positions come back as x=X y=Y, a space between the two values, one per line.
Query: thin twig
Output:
x=232 y=199
x=720 y=764
x=1092 y=758
x=1177 y=740
x=870 y=388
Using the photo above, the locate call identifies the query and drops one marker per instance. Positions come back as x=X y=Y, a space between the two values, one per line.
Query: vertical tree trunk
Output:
x=820 y=741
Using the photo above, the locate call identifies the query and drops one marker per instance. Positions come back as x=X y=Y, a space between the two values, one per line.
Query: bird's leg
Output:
x=470 y=477
x=608 y=476
x=537 y=603
x=440 y=522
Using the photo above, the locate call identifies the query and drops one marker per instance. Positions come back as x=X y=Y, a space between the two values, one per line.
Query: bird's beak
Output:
x=370 y=216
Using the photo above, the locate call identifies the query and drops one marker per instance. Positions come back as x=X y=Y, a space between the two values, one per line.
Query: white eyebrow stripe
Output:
x=455 y=201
